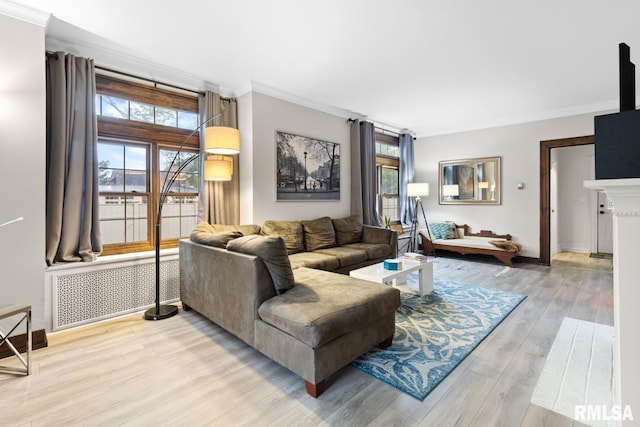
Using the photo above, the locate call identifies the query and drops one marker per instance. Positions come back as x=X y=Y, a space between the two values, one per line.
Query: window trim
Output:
x=156 y=136
x=386 y=161
x=172 y=242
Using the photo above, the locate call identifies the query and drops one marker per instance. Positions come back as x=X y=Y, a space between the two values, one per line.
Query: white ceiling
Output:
x=428 y=66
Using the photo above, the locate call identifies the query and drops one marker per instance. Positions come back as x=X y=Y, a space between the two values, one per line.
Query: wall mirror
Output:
x=470 y=181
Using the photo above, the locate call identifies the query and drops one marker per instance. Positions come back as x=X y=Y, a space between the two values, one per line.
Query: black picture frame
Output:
x=307 y=169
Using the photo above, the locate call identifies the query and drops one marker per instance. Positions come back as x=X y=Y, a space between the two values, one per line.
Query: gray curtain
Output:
x=363 y=172
x=356 y=174
x=73 y=224
x=406 y=172
x=220 y=200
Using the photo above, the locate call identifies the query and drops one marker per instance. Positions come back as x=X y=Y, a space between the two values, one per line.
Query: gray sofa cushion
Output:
x=373 y=250
x=346 y=256
x=319 y=233
x=324 y=305
x=272 y=251
x=348 y=230
x=314 y=260
x=290 y=231
x=205 y=234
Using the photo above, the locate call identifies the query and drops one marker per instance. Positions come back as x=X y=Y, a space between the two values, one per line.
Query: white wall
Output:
x=22 y=164
x=574 y=166
x=268 y=115
x=519 y=147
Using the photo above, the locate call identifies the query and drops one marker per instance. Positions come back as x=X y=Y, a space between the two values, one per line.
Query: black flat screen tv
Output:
x=617 y=136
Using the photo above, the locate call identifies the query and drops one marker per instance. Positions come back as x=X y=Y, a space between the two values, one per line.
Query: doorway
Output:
x=545 y=189
x=604 y=215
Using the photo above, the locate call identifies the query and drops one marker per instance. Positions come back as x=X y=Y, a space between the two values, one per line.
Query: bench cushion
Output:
x=471 y=242
x=323 y=306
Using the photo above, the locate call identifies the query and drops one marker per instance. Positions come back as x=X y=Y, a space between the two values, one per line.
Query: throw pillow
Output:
x=290 y=231
x=273 y=252
x=204 y=234
x=244 y=229
x=452 y=234
x=348 y=230
x=319 y=234
x=440 y=230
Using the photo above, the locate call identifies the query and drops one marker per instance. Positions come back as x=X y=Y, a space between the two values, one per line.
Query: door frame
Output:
x=545 y=188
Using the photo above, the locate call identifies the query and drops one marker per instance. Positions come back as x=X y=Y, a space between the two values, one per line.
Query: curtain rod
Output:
x=133 y=76
x=350 y=120
x=155 y=82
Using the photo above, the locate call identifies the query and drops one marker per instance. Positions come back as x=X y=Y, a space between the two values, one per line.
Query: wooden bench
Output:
x=473 y=243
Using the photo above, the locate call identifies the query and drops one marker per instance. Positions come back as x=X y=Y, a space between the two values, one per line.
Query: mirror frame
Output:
x=471 y=162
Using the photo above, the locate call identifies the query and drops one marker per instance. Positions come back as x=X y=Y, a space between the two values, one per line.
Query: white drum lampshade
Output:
x=221 y=140
x=417 y=189
x=218 y=168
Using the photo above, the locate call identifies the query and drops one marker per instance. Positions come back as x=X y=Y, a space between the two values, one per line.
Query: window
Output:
x=180 y=211
x=387 y=167
x=123 y=171
x=140 y=129
x=113 y=106
x=389 y=192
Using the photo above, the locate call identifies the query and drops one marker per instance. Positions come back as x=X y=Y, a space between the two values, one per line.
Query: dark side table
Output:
x=9 y=310
x=404 y=242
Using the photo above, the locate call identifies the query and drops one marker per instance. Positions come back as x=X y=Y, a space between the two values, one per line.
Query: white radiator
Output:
x=100 y=291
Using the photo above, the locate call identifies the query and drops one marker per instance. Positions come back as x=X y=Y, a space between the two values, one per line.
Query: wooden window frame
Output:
x=385 y=161
x=157 y=136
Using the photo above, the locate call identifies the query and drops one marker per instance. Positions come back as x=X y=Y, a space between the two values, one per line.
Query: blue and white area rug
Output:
x=435 y=334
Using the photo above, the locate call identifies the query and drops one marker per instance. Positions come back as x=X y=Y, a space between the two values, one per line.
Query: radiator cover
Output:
x=87 y=295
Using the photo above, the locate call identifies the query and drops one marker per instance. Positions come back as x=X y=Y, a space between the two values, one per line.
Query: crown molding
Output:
x=324 y=108
x=298 y=100
x=24 y=13
x=595 y=109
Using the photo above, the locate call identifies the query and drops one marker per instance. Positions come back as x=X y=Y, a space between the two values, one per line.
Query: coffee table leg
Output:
x=425 y=278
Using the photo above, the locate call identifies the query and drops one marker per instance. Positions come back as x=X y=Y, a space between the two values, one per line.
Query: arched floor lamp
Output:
x=417 y=190
x=219 y=140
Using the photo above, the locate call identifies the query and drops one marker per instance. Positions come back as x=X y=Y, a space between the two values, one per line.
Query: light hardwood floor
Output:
x=187 y=371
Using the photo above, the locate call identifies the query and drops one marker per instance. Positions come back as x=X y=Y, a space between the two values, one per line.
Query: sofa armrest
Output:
x=371 y=234
x=426 y=243
x=226 y=287
x=425 y=234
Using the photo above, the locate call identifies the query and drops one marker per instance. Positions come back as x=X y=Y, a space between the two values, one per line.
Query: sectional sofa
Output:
x=292 y=304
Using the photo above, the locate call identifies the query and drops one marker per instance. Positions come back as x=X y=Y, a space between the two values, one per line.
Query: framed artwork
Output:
x=307 y=169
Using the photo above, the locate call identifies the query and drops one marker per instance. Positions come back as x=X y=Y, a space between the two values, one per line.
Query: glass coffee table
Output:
x=377 y=273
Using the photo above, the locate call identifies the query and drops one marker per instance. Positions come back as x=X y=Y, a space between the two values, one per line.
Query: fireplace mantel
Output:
x=625 y=194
